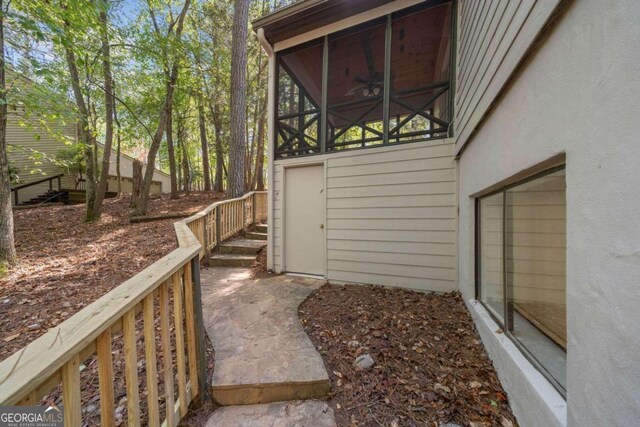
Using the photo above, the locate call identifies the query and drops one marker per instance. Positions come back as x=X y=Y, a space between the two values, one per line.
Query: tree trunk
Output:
x=108 y=102
x=252 y=148
x=142 y=202
x=258 y=177
x=172 y=155
x=186 y=173
x=86 y=135
x=118 y=143
x=205 y=145
x=237 y=141
x=7 y=245
x=217 y=124
x=136 y=177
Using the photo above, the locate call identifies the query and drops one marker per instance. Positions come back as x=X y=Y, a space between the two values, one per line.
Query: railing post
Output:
x=218 y=223
x=15 y=196
x=205 y=227
x=201 y=355
x=255 y=205
x=59 y=184
x=244 y=212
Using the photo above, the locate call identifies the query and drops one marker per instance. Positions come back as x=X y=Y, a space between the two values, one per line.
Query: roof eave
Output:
x=285 y=12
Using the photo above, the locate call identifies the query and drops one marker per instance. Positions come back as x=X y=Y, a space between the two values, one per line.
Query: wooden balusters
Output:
x=71 y=392
x=166 y=353
x=150 y=358
x=105 y=378
x=190 y=310
x=179 y=329
x=131 y=367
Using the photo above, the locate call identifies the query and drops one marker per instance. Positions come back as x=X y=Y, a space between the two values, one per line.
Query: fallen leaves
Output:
x=430 y=365
x=66 y=263
x=11 y=337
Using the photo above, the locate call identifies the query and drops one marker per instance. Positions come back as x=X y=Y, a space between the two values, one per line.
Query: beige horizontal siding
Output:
x=392 y=236
x=420 y=200
x=414 y=248
x=391 y=280
x=391 y=217
x=32 y=150
x=493 y=38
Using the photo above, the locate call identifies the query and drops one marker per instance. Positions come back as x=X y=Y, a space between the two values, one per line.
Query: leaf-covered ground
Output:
x=65 y=263
x=430 y=365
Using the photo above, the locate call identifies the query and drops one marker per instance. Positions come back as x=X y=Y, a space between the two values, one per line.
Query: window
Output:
x=383 y=82
x=521 y=265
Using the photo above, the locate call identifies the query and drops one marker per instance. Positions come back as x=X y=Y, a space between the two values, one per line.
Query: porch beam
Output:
x=325 y=93
x=387 y=80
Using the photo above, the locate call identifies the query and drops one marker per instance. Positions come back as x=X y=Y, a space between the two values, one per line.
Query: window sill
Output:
x=532 y=397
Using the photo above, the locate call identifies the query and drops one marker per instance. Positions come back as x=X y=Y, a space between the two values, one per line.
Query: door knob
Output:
x=321 y=225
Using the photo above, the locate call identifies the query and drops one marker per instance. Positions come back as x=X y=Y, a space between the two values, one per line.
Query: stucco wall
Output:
x=579 y=93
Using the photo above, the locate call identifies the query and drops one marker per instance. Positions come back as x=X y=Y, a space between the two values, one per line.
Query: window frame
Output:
x=507 y=325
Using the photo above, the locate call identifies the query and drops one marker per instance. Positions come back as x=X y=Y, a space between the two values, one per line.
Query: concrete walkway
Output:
x=262 y=353
x=310 y=413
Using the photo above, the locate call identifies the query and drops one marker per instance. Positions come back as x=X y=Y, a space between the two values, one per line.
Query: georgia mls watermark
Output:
x=31 y=416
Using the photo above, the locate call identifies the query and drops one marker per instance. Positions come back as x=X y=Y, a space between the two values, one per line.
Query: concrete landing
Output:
x=254 y=235
x=262 y=353
x=231 y=260
x=311 y=413
x=242 y=246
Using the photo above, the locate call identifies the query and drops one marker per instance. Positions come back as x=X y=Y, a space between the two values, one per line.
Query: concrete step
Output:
x=260 y=228
x=284 y=414
x=255 y=236
x=263 y=354
x=232 y=260
x=242 y=246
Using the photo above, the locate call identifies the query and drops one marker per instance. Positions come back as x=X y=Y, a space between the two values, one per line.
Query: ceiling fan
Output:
x=372 y=84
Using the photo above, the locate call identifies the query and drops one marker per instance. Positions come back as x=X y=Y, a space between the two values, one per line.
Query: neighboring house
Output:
x=489 y=147
x=32 y=150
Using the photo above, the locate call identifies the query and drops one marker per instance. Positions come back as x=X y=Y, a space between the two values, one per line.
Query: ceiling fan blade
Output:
x=354 y=90
x=365 y=41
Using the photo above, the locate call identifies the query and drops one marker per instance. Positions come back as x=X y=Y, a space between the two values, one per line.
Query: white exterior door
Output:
x=304 y=220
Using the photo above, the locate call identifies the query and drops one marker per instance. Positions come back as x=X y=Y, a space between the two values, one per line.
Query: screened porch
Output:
x=385 y=82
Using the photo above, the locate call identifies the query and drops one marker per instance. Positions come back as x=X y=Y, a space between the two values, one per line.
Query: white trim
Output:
x=271 y=96
x=534 y=401
x=309 y=276
x=345 y=23
x=364 y=151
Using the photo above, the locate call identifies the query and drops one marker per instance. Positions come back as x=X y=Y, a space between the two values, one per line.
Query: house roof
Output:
x=308 y=15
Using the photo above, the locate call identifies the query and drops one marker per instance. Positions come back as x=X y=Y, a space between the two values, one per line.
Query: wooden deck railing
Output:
x=223 y=219
x=50 y=179
x=55 y=358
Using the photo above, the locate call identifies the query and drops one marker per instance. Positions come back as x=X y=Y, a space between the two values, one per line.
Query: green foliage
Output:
x=14 y=175
x=4 y=269
x=141 y=50
x=73 y=159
